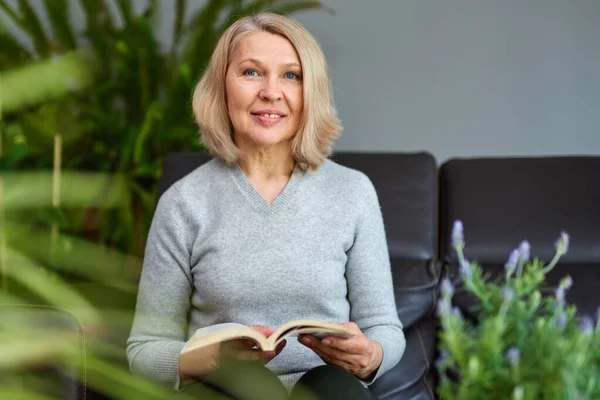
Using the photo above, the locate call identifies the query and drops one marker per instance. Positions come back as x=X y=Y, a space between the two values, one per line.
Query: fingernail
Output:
x=305 y=339
x=326 y=342
x=270 y=354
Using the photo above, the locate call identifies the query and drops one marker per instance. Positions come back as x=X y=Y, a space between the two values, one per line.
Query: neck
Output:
x=267 y=165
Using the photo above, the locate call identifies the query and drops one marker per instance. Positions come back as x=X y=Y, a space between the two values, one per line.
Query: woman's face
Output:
x=264 y=91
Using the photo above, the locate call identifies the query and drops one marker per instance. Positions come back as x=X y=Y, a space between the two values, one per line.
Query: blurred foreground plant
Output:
x=524 y=346
x=53 y=330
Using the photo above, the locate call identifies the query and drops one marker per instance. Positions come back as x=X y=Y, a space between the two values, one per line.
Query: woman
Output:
x=268 y=231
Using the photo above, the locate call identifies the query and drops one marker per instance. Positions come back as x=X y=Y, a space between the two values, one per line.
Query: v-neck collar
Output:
x=255 y=198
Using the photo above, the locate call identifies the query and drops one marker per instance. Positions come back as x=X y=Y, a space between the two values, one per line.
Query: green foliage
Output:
x=89 y=283
x=138 y=108
x=525 y=345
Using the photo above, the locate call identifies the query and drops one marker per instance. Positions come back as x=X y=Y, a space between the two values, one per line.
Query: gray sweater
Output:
x=218 y=252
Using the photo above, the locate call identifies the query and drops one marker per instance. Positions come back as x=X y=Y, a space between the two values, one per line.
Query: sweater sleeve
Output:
x=370 y=289
x=160 y=324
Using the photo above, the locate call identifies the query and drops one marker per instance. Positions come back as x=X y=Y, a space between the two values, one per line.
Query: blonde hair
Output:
x=319 y=126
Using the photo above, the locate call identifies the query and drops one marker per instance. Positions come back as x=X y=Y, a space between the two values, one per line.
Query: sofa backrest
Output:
x=502 y=201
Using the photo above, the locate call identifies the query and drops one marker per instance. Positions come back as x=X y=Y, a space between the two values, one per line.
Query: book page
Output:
x=219 y=333
x=317 y=328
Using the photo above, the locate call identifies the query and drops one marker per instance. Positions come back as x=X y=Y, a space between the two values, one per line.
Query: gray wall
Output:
x=460 y=77
x=465 y=77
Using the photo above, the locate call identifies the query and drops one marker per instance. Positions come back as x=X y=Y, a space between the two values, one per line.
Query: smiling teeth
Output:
x=270 y=115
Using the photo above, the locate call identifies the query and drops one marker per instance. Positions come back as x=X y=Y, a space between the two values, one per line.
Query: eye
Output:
x=251 y=72
x=292 y=75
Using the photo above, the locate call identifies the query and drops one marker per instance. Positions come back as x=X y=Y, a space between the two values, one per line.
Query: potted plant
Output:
x=523 y=345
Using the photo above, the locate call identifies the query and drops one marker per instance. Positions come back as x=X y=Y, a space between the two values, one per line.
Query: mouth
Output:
x=268 y=117
x=269 y=113
x=271 y=116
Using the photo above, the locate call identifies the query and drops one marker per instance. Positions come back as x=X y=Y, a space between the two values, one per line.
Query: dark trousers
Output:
x=249 y=381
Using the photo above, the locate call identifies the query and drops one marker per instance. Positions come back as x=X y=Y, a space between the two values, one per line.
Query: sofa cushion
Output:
x=502 y=201
x=413 y=377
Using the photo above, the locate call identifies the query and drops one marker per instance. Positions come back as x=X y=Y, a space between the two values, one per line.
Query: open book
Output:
x=230 y=331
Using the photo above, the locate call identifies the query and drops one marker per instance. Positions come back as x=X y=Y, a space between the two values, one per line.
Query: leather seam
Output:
x=427 y=364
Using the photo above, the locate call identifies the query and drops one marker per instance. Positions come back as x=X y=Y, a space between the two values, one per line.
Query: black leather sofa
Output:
x=501 y=202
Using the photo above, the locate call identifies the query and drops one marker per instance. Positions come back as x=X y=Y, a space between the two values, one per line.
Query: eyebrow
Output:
x=255 y=61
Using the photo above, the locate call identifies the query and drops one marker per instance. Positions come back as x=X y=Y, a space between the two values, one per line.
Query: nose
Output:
x=270 y=91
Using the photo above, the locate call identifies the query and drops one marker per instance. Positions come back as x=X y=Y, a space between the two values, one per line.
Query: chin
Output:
x=270 y=139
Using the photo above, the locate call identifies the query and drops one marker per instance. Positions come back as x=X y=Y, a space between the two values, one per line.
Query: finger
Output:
x=265 y=330
x=351 y=326
x=241 y=344
x=280 y=347
x=330 y=353
x=255 y=355
x=354 y=345
x=329 y=343
x=349 y=363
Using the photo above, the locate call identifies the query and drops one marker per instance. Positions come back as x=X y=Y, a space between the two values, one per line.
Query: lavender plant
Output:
x=524 y=346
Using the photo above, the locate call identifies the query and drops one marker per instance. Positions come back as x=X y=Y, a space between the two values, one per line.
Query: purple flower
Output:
x=562 y=243
x=513 y=355
x=447 y=288
x=567 y=282
x=456 y=312
x=561 y=322
x=458 y=238
x=524 y=250
x=442 y=358
x=559 y=293
x=511 y=264
x=508 y=294
x=465 y=269
x=587 y=325
x=443 y=307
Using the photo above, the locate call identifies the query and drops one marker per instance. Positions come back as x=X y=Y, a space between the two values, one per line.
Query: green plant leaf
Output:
x=100 y=29
x=75 y=256
x=58 y=15
x=20 y=393
x=16 y=153
x=126 y=9
x=54 y=78
x=31 y=275
x=13 y=54
x=150 y=11
x=154 y=114
x=32 y=24
x=200 y=29
x=178 y=26
x=16 y=18
x=34 y=190
x=119 y=383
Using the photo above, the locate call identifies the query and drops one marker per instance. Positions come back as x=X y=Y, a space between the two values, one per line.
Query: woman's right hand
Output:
x=195 y=364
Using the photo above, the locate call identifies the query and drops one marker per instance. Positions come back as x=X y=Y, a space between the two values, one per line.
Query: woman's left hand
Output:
x=357 y=354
